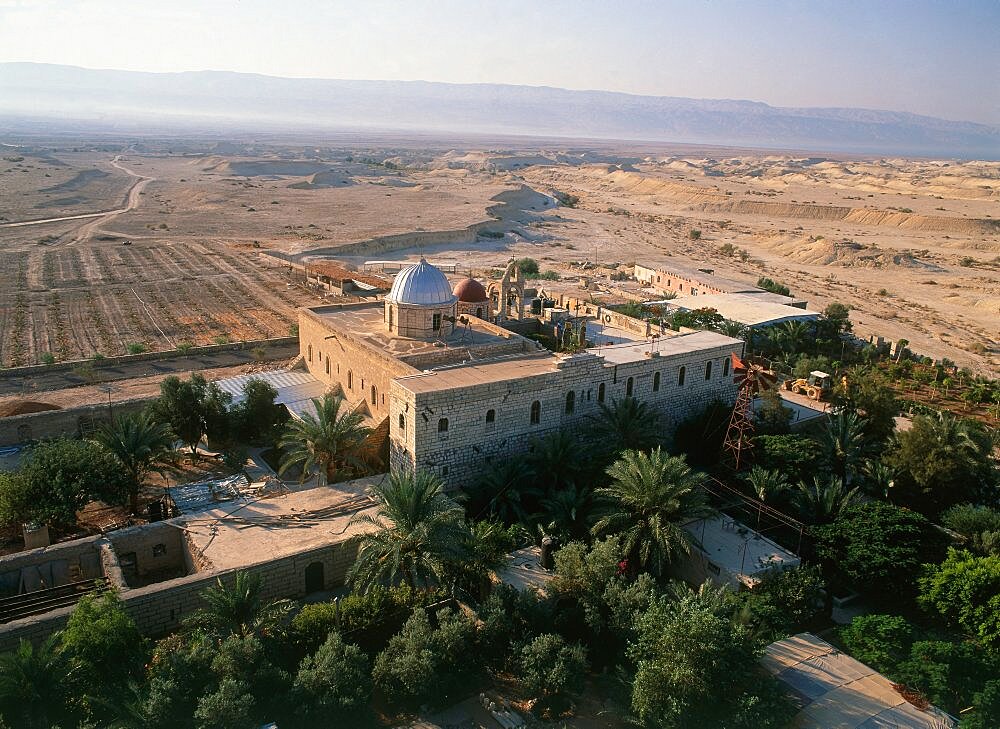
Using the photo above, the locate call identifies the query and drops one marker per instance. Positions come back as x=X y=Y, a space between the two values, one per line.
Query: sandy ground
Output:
x=912 y=245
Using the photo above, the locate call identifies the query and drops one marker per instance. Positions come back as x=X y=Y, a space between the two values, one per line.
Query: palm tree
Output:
x=33 y=684
x=568 y=513
x=504 y=491
x=768 y=485
x=558 y=460
x=793 y=334
x=733 y=329
x=330 y=441
x=626 y=425
x=139 y=443
x=842 y=443
x=415 y=533
x=239 y=609
x=651 y=496
x=488 y=545
x=823 y=501
x=879 y=479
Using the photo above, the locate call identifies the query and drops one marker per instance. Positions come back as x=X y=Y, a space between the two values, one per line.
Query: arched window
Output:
x=600 y=392
x=479 y=312
x=680 y=376
x=402 y=422
x=628 y=387
x=570 y=402
x=310 y=353
x=350 y=380
x=725 y=367
x=491 y=416
x=390 y=318
x=708 y=370
x=374 y=396
x=536 y=412
x=656 y=382
x=443 y=425
x=327 y=365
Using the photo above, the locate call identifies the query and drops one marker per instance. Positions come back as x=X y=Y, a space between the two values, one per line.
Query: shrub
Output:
x=694 y=234
x=333 y=685
x=965 y=591
x=422 y=665
x=136 y=348
x=880 y=641
x=773 y=286
x=527 y=266
x=792 y=455
x=509 y=619
x=785 y=602
x=979 y=524
x=47 y=358
x=551 y=666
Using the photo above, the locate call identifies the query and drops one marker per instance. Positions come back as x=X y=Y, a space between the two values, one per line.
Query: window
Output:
x=536 y=412
x=600 y=392
x=680 y=376
x=436 y=322
x=402 y=422
x=374 y=396
x=390 y=318
x=725 y=367
x=708 y=370
x=327 y=365
x=350 y=380
x=310 y=353
x=628 y=387
x=570 y=402
x=491 y=416
x=479 y=312
x=444 y=470
x=443 y=425
x=656 y=382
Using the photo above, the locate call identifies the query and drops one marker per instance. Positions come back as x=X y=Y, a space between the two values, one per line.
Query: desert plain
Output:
x=911 y=245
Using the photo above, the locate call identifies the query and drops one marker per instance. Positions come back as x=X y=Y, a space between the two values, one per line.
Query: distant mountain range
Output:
x=219 y=99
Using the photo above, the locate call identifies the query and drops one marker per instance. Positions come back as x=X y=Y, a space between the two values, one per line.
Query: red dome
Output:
x=470 y=291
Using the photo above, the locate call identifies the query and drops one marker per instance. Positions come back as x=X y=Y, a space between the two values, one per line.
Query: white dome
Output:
x=421 y=285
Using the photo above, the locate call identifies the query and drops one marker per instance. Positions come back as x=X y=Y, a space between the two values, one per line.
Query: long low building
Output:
x=458 y=392
x=753 y=310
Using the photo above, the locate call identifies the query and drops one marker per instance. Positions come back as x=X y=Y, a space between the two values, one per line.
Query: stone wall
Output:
x=471 y=443
x=347 y=362
x=18 y=429
x=78 y=559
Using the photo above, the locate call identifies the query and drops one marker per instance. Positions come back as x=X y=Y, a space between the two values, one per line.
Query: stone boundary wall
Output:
x=19 y=429
x=453 y=355
x=161 y=608
x=157 y=356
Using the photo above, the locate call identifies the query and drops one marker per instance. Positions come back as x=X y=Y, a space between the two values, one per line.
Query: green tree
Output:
x=190 y=407
x=784 y=602
x=330 y=442
x=867 y=396
x=238 y=608
x=626 y=424
x=649 y=499
x=878 y=547
x=505 y=490
x=230 y=705
x=942 y=461
x=102 y=641
x=56 y=479
x=412 y=537
x=768 y=486
x=980 y=525
x=823 y=500
x=842 y=444
x=257 y=418
x=423 y=665
x=699 y=438
x=880 y=641
x=559 y=461
x=965 y=591
x=695 y=668
x=177 y=675
x=985 y=710
x=550 y=666
x=139 y=443
x=35 y=686
x=568 y=513
x=527 y=266
x=792 y=455
x=333 y=686
x=487 y=549
x=772 y=417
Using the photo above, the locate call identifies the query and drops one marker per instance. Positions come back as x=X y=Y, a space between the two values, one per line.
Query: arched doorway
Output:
x=314 y=578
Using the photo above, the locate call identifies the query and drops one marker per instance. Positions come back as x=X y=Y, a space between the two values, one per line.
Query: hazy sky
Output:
x=939 y=58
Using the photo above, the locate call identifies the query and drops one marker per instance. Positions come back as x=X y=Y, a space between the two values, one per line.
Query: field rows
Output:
x=73 y=302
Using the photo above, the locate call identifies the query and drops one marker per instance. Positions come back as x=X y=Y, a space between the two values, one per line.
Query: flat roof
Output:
x=235 y=535
x=666 y=346
x=739 y=549
x=834 y=690
x=706 y=279
x=295 y=389
x=473 y=373
x=749 y=309
x=366 y=322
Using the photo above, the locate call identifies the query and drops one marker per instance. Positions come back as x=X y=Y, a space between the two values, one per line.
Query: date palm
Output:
x=568 y=513
x=558 y=460
x=413 y=536
x=823 y=500
x=33 y=684
x=330 y=442
x=626 y=424
x=842 y=444
x=238 y=609
x=649 y=499
x=139 y=443
x=768 y=485
x=506 y=491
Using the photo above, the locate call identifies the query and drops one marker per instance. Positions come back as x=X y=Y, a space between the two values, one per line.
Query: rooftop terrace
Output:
x=635 y=350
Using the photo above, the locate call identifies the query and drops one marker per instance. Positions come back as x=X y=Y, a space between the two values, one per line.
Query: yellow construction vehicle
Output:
x=817 y=386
